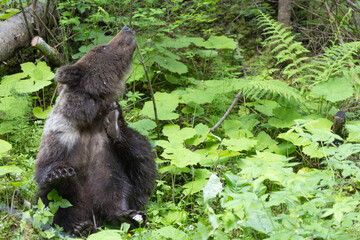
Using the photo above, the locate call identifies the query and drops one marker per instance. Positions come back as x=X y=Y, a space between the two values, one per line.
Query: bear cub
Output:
x=87 y=152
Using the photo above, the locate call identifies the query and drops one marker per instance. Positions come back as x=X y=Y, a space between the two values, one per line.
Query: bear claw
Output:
x=83 y=228
x=59 y=173
x=112 y=124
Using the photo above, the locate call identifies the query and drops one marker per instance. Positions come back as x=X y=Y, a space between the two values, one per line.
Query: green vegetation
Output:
x=274 y=169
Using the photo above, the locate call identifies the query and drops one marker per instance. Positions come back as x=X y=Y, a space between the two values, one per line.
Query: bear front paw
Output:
x=112 y=125
x=83 y=229
x=59 y=174
x=134 y=217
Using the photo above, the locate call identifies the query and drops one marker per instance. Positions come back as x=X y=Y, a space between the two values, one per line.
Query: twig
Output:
x=46 y=10
x=36 y=20
x=227 y=112
x=353 y=5
x=151 y=91
x=26 y=21
x=44 y=25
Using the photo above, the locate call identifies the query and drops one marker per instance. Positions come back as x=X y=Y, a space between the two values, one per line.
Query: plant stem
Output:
x=151 y=91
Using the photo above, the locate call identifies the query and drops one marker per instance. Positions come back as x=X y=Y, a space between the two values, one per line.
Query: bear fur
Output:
x=87 y=152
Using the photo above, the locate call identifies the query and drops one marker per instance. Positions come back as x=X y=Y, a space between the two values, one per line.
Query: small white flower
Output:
x=240 y=222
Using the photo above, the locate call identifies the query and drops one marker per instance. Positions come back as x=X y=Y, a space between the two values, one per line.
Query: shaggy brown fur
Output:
x=87 y=153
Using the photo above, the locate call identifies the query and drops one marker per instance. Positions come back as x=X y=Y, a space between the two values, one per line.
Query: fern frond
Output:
x=286 y=50
x=268 y=88
x=334 y=62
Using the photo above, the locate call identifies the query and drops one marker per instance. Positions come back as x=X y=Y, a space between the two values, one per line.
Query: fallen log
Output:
x=14 y=33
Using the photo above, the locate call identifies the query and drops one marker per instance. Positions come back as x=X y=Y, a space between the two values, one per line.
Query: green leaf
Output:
x=9 y=169
x=284 y=117
x=239 y=144
x=194 y=186
x=171 y=64
x=218 y=42
x=165 y=103
x=201 y=134
x=14 y=107
x=314 y=150
x=4 y=146
x=266 y=107
x=39 y=113
x=265 y=141
x=106 y=234
x=334 y=90
x=207 y=53
x=143 y=126
x=354 y=131
x=172 y=233
x=212 y=188
x=294 y=138
x=174 y=133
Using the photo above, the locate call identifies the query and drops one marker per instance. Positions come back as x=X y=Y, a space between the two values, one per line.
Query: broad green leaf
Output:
x=171 y=64
x=14 y=107
x=4 y=146
x=172 y=233
x=266 y=107
x=314 y=150
x=143 y=126
x=212 y=188
x=194 y=186
x=265 y=141
x=174 y=133
x=201 y=134
x=9 y=169
x=334 y=90
x=207 y=53
x=106 y=234
x=319 y=123
x=217 y=42
x=165 y=103
x=183 y=157
x=239 y=144
x=294 y=138
x=284 y=117
x=260 y=221
x=354 y=131
x=39 y=113
x=197 y=96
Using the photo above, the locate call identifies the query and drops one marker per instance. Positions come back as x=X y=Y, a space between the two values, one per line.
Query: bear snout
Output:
x=126 y=28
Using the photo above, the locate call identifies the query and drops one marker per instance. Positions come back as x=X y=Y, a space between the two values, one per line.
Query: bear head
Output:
x=100 y=72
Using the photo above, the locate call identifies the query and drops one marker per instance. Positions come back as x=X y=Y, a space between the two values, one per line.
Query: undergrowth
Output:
x=274 y=169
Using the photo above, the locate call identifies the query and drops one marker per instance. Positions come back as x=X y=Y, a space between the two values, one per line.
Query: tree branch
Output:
x=227 y=112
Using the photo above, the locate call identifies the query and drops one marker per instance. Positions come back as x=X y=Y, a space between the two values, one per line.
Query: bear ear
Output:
x=70 y=75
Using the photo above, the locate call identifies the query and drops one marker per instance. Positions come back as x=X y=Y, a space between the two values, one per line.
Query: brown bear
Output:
x=87 y=152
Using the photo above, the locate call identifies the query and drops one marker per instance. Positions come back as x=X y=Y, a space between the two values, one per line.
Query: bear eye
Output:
x=105 y=47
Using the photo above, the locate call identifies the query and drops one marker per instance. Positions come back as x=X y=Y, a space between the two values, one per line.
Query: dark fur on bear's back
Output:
x=87 y=153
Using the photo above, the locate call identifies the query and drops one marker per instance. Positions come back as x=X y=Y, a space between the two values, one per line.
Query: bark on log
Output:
x=14 y=33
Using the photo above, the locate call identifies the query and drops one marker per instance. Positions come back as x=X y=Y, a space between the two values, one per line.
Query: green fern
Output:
x=268 y=88
x=334 y=62
x=282 y=44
